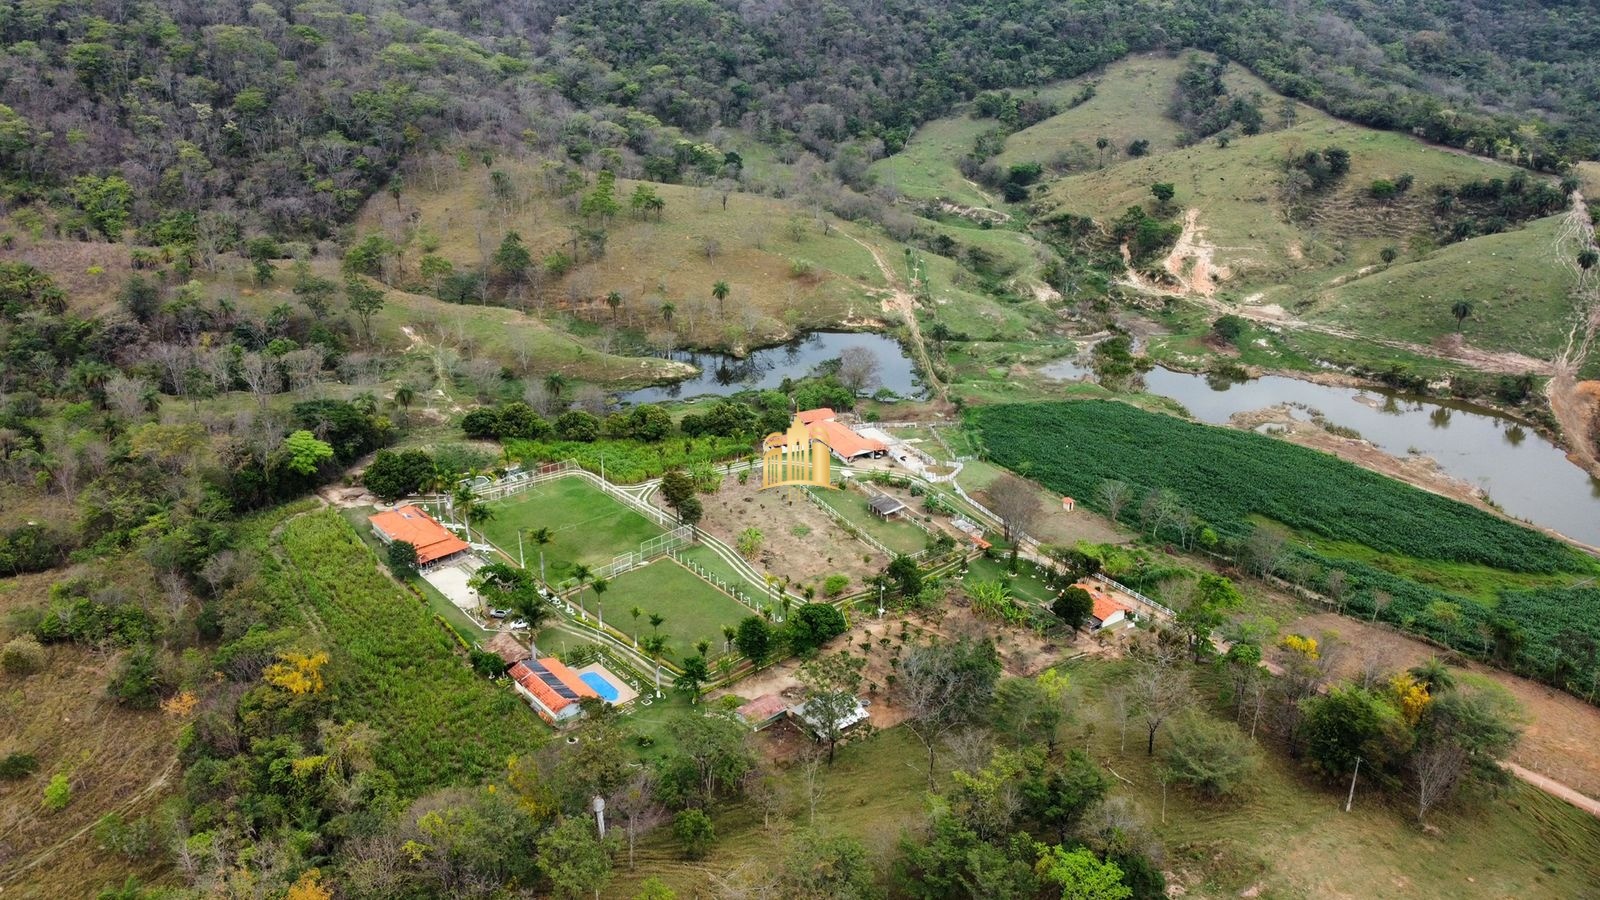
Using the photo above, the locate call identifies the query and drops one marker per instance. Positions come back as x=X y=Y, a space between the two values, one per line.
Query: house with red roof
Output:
x=1109 y=612
x=551 y=687
x=844 y=443
x=433 y=541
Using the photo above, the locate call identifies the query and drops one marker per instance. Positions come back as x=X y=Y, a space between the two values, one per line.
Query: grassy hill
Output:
x=1130 y=102
x=1238 y=190
x=1519 y=293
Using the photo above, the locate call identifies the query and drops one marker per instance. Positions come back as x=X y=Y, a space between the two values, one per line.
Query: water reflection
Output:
x=721 y=374
x=1525 y=474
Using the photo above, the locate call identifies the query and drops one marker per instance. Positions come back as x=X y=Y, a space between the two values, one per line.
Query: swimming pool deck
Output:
x=625 y=694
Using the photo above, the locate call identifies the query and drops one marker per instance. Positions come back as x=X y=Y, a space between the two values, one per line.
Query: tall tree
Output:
x=831 y=684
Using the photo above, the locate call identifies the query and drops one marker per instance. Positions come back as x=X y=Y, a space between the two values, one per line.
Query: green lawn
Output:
x=1028 y=584
x=901 y=537
x=693 y=609
x=587 y=526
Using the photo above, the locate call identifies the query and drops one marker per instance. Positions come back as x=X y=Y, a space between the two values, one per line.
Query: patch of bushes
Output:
x=21 y=656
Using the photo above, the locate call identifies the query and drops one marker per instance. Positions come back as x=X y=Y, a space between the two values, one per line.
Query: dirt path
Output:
x=1576 y=405
x=901 y=301
x=1191 y=262
x=124 y=808
x=1555 y=789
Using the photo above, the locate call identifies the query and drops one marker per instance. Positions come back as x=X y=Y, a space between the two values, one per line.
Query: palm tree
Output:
x=600 y=587
x=656 y=646
x=404 y=396
x=1433 y=674
x=655 y=621
x=541 y=536
x=720 y=291
x=702 y=646
x=582 y=573
x=667 y=309
x=636 y=612
x=1461 y=309
x=728 y=633
x=555 y=382
x=614 y=300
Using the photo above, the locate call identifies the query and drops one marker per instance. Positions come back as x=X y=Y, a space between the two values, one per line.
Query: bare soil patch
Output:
x=1576 y=406
x=1022 y=654
x=807 y=557
x=1561 y=738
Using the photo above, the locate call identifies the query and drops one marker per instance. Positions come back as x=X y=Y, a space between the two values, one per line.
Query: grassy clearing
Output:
x=900 y=537
x=926 y=168
x=869 y=793
x=586 y=525
x=394 y=666
x=1130 y=103
x=650 y=261
x=693 y=609
x=1518 y=290
x=1294 y=840
x=1029 y=583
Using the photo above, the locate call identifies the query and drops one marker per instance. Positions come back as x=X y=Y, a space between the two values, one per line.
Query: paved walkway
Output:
x=1555 y=788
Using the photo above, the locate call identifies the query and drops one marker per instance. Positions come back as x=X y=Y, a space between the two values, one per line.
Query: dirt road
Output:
x=900 y=300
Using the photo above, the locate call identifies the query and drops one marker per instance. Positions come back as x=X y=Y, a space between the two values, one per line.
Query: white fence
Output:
x=648 y=549
x=1119 y=586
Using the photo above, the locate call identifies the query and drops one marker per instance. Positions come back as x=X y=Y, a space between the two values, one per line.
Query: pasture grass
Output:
x=586 y=526
x=900 y=537
x=694 y=610
x=1519 y=291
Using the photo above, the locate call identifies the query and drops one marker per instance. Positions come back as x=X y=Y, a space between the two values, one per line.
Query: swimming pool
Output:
x=604 y=688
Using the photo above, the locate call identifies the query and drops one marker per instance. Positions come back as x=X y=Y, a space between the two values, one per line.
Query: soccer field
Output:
x=586 y=526
x=692 y=608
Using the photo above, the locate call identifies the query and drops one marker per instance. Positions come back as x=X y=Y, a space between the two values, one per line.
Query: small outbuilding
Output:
x=1068 y=504
x=883 y=506
x=817 y=727
x=763 y=711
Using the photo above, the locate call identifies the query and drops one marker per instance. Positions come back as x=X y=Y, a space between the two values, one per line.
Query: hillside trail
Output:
x=1451 y=348
x=900 y=300
x=1576 y=404
x=124 y=808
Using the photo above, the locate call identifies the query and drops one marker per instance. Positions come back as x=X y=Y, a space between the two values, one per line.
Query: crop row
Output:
x=1226 y=477
x=396 y=670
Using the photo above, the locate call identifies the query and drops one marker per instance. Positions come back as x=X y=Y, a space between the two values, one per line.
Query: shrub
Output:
x=21 y=656
x=694 y=831
x=18 y=765
x=58 y=793
x=813 y=625
x=834 y=585
x=138 y=683
x=1215 y=758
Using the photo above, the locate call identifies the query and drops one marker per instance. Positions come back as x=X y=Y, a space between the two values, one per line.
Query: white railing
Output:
x=1119 y=586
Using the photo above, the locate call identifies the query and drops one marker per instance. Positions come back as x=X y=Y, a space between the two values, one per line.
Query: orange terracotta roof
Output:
x=417 y=528
x=820 y=414
x=554 y=684
x=1104 y=606
x=843 y=441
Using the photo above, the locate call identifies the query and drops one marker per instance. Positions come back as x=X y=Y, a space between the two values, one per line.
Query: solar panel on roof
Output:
x=554 y=683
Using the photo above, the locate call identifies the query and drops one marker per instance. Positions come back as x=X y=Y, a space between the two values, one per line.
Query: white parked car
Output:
x=518 y=625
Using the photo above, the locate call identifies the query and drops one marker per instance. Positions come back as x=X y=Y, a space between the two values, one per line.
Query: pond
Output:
x=721 y=375
x=1527 y=475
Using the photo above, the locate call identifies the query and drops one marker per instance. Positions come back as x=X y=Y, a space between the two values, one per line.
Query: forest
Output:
x=266 y=266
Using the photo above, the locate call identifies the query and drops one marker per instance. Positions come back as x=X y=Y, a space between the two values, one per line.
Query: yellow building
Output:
x=796 y=456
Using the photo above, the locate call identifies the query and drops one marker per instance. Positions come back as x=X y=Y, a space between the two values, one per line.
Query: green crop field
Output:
x=586 y=525
x=693 y=609
x=393 y=666
x=1227 y=477
x=900 y=537
x=1427 y=563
